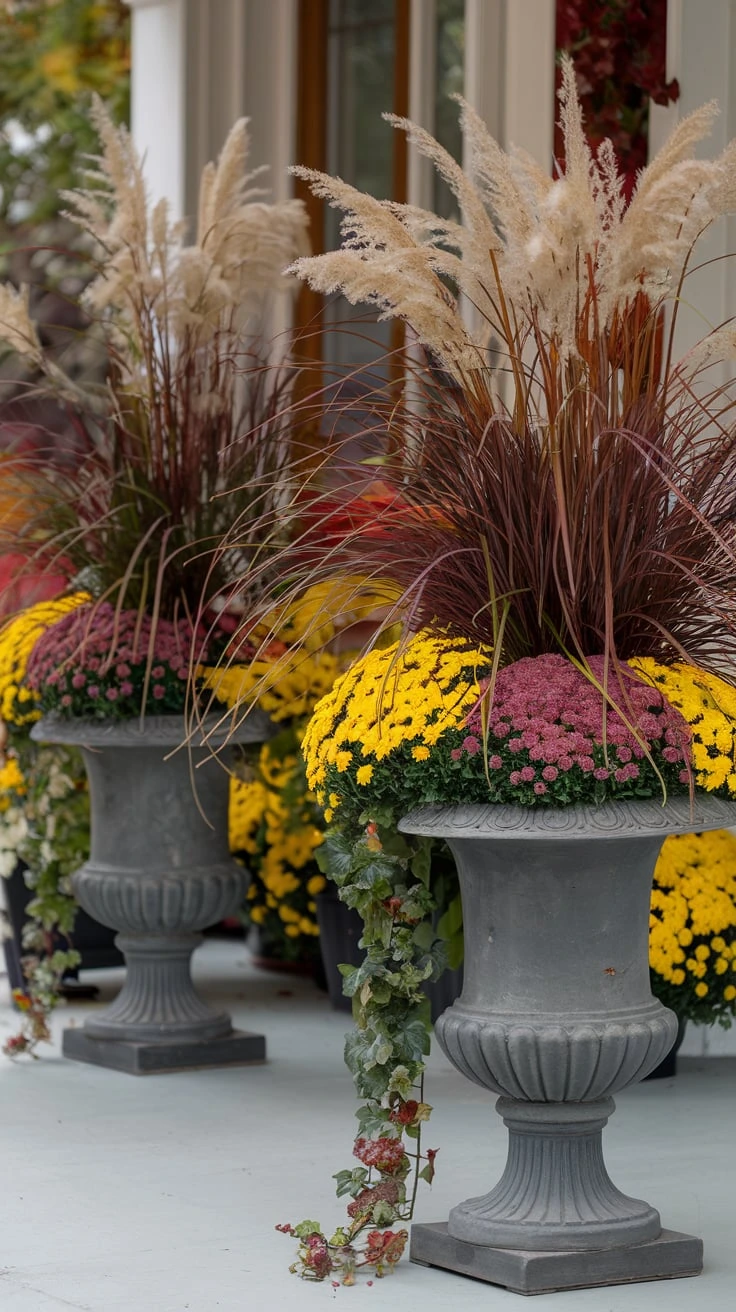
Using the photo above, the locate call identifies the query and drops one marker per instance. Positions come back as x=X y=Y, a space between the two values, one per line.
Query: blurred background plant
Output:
x=619 y=52
x=54 y=56
x=692 y=931
x=276 y=827
x=187 y=432
x=276 y=823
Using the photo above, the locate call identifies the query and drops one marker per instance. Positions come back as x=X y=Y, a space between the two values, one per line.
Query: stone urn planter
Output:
x=555 y=1016
x=159 y=872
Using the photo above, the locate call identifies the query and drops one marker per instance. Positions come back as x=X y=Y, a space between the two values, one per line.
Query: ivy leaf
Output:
x=421 y=862
x=379 y=1052
x=424 y=935
x=351 y=1182
x=376 y=876
x=456 y=950
x=335 y=856
x=383 y=1213
x=372 y=1119
x=394 y=844
x=415 y=1040
x=306 y=1228
x=349 y=981
x=452 y=921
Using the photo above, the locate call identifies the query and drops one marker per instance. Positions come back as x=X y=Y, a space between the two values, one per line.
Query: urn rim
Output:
x=214 y=730
x=634 y=817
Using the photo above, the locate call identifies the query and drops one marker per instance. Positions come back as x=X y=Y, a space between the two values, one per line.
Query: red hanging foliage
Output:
x=619 y=51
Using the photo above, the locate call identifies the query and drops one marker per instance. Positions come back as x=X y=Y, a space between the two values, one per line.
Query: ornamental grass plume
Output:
x=187 y=435
x=564 y=484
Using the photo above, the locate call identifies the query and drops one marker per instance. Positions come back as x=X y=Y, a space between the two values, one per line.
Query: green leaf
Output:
x=394 y=844
x=424 y=935
x=452 y=921
x=455 y=951
x=351 y=1182
x=421 y=862
x=415 y=1040
x=375 y=875
x=379 y=1052
x=306 y=1228
x=336 y=856
x=383 y=1213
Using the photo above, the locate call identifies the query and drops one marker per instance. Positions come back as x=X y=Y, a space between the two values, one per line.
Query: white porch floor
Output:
x=160 y=1194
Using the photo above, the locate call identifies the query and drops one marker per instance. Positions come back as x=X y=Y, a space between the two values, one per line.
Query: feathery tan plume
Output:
x=562 y=258
x=17 y=329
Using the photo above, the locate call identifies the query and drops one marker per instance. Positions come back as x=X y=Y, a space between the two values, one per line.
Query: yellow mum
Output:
x=392 y=697
x=17 y=639
x=694 y=897
x=709 y=706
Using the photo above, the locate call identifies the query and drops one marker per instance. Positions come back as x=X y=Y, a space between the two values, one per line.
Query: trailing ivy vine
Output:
x=405 y=890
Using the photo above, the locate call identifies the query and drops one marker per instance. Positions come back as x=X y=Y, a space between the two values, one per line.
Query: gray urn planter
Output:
x=555 y=1016
x=159 y=872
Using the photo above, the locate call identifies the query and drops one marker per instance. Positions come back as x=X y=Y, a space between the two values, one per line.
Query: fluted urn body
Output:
x=159 y=872
x=556 y=1012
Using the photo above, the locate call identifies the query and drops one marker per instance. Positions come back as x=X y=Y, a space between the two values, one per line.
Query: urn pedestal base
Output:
x=159 y=871
x=556 y=1016
x=238 y=1048
x=670 y=1257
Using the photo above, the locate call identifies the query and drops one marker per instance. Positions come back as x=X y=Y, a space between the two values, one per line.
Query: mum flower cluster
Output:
x=284 y=687
x=101 y=664
x=417 y=724
x=709 y=706
x=548 y=735
x=393 y=707
x=692 y=926
x=274 y=824
x=18 y=703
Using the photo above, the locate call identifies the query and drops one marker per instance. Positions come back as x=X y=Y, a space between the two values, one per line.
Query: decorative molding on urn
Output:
x=160 y=871
x=166 y=902
x=158 y=999
x=556 y=1060
x=610 y=820
x=557 y=1013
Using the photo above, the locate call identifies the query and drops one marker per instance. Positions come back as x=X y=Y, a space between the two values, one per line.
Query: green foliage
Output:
x=405 y=889
x=53 y=58
x=55 y=804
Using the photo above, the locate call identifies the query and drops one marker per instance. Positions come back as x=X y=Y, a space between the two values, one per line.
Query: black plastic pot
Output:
x=340 y=929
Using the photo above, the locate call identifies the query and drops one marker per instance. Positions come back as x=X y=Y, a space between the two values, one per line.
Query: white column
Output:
x=510 y=71
x=158 y=89
x=197 y=66
x=422 y=78
x=529 y=81
x=270 y=88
